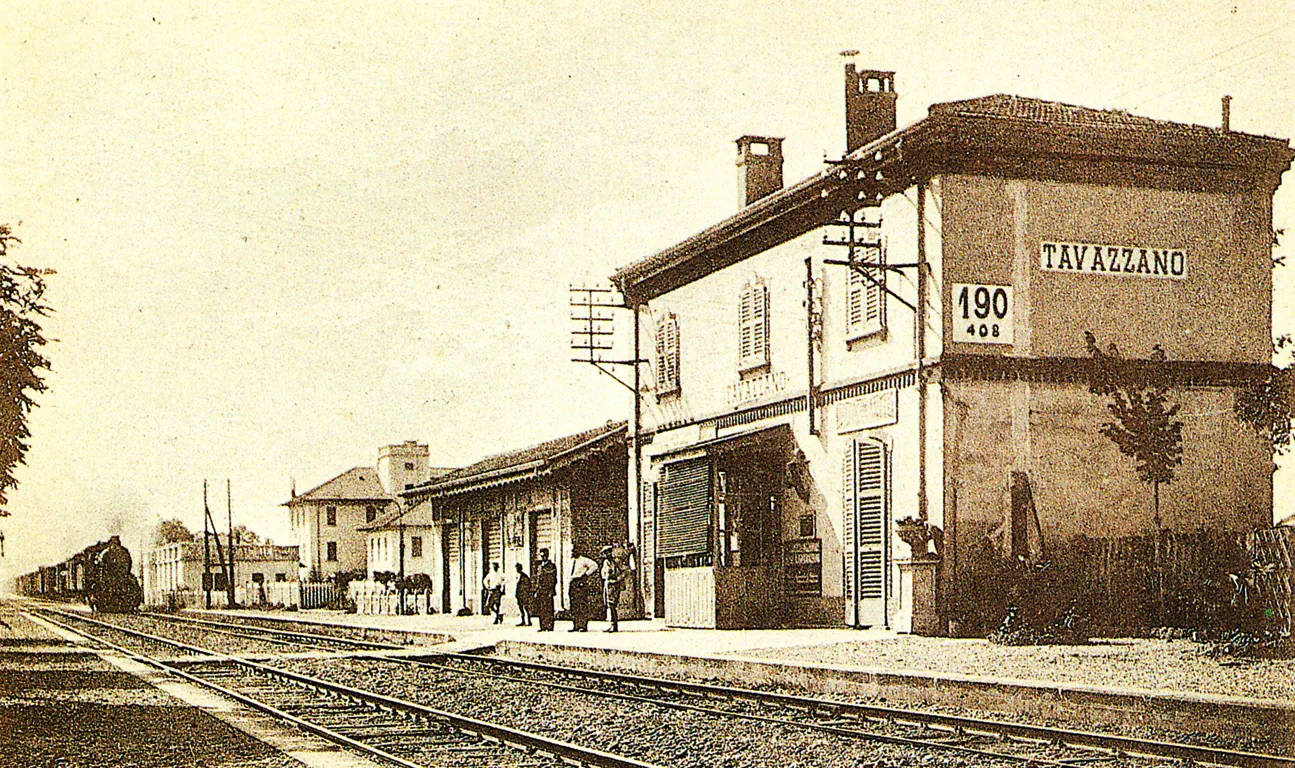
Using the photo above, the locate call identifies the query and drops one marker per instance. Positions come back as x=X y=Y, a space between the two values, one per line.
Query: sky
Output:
x=286 y=234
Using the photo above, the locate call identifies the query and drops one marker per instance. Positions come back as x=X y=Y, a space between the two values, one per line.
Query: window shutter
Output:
x=865 y=301
x=667 y=355
x=683 y=518
x=849 y=511
x=753 y=326
x=745 y=327
x=870 y=478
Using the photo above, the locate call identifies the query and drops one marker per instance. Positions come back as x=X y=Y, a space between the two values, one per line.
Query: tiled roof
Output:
x=358 y=484
x=535 y=458
x=1008 y=107
x=945 y=139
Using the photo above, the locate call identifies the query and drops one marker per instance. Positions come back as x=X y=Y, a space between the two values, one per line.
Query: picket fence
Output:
x=376 y=599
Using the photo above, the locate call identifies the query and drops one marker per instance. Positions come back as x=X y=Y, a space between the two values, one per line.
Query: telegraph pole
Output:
x=206 y=547
x=229 y=511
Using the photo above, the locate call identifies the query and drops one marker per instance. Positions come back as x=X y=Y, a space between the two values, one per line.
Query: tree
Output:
x=1144 y=427
x=1267 y=404
x=22 y=304
x=244 y=535
x=170 y=532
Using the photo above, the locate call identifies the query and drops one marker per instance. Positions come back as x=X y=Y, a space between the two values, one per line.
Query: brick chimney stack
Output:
x=869 y=104
x=759 y=168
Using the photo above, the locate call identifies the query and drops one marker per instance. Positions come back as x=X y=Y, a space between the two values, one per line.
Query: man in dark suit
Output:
x=546 y=586
x=524 y=591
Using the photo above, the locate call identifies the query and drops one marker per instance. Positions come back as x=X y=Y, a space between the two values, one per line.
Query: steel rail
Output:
x=833 y=729
x=1111 y=743
x=560 y=750
x=306 y=725
x=246 y=630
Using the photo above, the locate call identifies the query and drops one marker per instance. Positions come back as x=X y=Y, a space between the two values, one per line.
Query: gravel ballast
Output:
x=1170 y=667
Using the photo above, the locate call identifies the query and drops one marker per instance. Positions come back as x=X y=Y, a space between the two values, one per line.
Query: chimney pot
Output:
x=869 y=105
x=759 y=168
x=1227 y=113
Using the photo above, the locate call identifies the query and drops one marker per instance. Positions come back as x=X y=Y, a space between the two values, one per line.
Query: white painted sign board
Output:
x=982 y=314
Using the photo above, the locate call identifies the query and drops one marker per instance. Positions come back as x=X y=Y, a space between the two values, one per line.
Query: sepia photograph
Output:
x=445 y=384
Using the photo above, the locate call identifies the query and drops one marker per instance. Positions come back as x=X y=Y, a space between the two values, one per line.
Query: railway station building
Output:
x=567 y=496
x=328 y=520
x=870 y=391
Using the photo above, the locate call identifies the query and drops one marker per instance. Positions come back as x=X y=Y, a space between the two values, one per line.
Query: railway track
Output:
x=389 y=729
x=963 y=740
x=970 y=737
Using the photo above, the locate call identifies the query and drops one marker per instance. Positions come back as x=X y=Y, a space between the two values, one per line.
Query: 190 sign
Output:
x=982 y=313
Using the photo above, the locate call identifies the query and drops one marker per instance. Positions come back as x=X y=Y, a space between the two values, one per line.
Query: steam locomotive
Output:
x=99 y=575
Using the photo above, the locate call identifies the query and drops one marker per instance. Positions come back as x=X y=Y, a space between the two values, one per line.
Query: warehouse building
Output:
x=870 y=390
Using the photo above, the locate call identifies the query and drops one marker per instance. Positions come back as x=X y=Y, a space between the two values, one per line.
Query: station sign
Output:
x=1113 y=260
x=982 y=314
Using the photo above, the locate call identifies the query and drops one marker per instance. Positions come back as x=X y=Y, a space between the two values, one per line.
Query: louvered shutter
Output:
x=647 y=545
x=855 y=301
x=864 y=479
x=849 y=549
x=865 y=304
x=683 y=518
x=870 y=473
x=746 y=326
x=667 y=355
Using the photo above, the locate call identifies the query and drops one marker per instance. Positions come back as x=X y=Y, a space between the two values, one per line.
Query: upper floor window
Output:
x=753 y=326
x=667 y=355
x=415 y=546
x=865 y=302
x=370 y=513
x=331 y=552
x=409 y=465
x=330 y=515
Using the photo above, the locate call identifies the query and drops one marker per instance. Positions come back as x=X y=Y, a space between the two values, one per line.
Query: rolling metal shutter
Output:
x=494 y=544
x=544 y=534
x=683 y=517
x=454 y=559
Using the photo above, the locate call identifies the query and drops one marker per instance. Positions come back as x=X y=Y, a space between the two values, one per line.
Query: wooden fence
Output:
x=1272 y=552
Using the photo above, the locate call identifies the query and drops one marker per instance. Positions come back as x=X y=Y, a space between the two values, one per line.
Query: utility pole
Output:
x=229 y=512
x=401 y=583
x=206 y=547
x=592 y=334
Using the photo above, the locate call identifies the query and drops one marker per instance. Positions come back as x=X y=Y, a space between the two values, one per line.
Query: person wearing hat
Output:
x=584 y=592
x=611 y=573
x=546 y=586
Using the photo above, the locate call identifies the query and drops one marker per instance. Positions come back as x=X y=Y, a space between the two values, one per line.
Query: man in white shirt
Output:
x=585 y=592
x=494 y=586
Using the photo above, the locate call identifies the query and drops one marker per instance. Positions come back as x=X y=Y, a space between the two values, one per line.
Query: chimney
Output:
x=759 y=168
x=1227 y=113
x=869 y=104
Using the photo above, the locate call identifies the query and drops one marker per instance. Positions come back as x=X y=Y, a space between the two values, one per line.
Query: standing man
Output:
x=494 y=585
x=584 y=593
x=523 y=592
x=546 y=586
x=611 y=573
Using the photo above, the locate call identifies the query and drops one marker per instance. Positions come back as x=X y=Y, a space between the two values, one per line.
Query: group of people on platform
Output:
x=594 y=589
